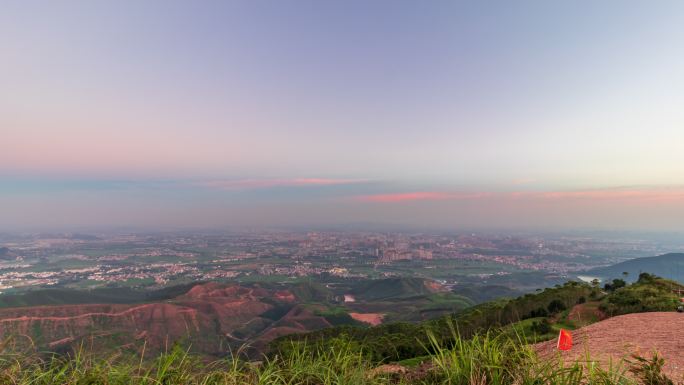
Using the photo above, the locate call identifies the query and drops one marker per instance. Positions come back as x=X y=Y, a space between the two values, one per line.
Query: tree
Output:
x=539 y=312
x=556 y=306
x=616 y=284
x=646 y=278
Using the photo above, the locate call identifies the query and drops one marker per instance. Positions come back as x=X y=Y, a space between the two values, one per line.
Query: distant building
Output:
x=391 y=254
x=339 y=271
x=423 y=253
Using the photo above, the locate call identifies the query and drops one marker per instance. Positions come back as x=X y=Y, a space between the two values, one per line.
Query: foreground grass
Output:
x=495 y=359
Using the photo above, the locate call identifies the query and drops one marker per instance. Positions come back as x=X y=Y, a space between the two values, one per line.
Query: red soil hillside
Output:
x=210 y=317
x=618 y=337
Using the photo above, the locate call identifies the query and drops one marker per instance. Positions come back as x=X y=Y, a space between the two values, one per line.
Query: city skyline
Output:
x=443 y=114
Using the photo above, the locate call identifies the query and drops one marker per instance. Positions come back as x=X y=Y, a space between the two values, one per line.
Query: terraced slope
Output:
x=211 y=318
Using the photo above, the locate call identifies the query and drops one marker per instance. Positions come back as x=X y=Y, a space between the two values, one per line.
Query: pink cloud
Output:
x=325 y=181
x=647 y=194
x=419 y=196
x=251 y=184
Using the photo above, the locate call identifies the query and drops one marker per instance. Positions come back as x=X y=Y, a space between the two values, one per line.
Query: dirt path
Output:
x=618 y=337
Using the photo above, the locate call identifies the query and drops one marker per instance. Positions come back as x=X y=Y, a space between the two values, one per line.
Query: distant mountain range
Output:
x=669 y=266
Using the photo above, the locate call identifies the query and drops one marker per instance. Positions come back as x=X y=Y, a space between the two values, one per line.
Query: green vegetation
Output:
x=617 y=283
x=485 y=344
x=648 y=293
x=399 y=341
x=100 y=295
x=446 y=302
x=483 y=359
x=483 y=293
x=337 y=316
x=537 y=317
x=310 y=291
x=392 y=288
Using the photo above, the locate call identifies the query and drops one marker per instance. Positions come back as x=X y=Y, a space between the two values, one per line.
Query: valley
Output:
x=213 y=318
x=218 y=293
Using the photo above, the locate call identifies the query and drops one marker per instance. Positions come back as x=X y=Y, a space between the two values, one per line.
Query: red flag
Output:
x=564 y=340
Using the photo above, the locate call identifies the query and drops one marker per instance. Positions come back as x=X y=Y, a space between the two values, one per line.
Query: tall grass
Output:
x=486 y=359
x=495 y=358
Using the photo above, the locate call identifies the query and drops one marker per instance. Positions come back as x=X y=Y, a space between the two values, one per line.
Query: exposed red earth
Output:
x=586 y=314
x=369 y=318
x=210 y=317
x=619 y=337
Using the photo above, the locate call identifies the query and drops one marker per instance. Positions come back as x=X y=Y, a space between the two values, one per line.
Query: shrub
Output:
x=648 y=294
x=556 y=306
x=540 y=312
x=542 y=327
x=616 y=284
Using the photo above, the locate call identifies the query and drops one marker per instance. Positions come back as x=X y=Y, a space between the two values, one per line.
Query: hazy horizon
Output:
x=166 y=114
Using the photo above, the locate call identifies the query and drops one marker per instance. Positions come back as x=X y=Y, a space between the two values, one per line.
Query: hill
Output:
x=667 y=265
x=113 y=295
x=211 y=318
x=619 y=337
x=483 y=359
x=401 y=340
x=394 y=288
x=472 y=346
x=536 y=316
x=485 y=293
x=404 y=299
x=648 y=294
x=59 y=318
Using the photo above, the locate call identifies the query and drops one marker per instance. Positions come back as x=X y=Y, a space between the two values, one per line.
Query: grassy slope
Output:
x=392 y=288
x=483 y=359
x=649 y=293
x=118 y=295
x=401 y=341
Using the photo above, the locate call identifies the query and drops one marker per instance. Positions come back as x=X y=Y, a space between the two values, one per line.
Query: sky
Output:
x=450 y=114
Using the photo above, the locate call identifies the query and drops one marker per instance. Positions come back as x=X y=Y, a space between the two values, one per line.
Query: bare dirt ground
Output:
x=585 y=314
x=618 y=337
x=370 y=318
